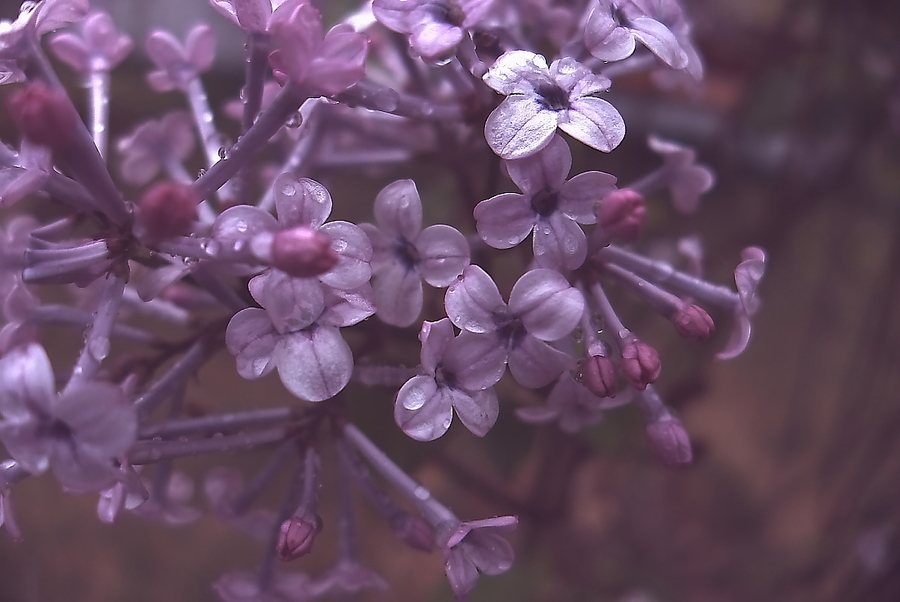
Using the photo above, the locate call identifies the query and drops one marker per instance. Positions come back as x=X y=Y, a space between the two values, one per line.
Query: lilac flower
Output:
x=542 y=98
x=178 y=65
x=572 y=406
x=747 y=276
x=614 y=25
x=551 y=207
x=76 y=433
x=36 y=19
x=542 y=307
x=100 y=47
x=687 y=180
x=157 y=145
x=171 y=506
x=435 y=27
x=404 y=254
x=297 y=332
x=425 y=404
x=476 y=547
x=250 y=15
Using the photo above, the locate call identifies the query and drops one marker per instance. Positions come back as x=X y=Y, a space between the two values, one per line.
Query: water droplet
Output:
x=289 y=190
x=578 y=335
x=624 y=333
x=421 y=493
x=295 y=121
x=385 y=100
x=201 y=173
x=98 y=347
x=446 y=422
x=211 y=248
x=223 y=153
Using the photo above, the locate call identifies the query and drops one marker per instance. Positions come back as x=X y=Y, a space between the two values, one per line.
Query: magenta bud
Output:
x=303 y=252
x=669 y=441
x=693 y=323
x=598 y=374
x=414 y=532
x=622 y=214
x=640 y=363
x=44 y=116
x=297 y=535
x=167 y=209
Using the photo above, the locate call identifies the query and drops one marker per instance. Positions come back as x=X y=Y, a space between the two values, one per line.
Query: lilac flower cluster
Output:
x=243 y=257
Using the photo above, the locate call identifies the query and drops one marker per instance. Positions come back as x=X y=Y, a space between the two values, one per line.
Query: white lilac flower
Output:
x=614 y=25
x=541 y=98
x=551 y=207
x=405 y=254
x=425 y=404
x=542 y=307
x=76 y=433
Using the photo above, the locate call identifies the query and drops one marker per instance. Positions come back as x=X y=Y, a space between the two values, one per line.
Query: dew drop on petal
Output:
x=289 y=190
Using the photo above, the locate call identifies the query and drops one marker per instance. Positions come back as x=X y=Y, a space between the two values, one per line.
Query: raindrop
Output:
x=211 y=248
x=385 y=100
x=421 y=493
x=223 y=153
x=201 y=173
x=289 y=190
x=295 y=121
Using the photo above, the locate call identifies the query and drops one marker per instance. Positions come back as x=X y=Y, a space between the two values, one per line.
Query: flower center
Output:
x=447 y=12
x=553 y=97
x=510 y=329
x=545 y=202
x=444 y=378
x=406 y=253
x=53 y=428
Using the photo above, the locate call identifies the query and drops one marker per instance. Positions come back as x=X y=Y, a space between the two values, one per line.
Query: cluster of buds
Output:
x=244 y=257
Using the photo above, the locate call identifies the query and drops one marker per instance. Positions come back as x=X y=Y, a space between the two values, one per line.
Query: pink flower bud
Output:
x=303 y=252
x=693 y=323
x=669 y=441
x=640 y=363
x=45 y=116
x=622 y=214
x=599 y=376
x=414 y=532
x=167 y=209
x=297 y=535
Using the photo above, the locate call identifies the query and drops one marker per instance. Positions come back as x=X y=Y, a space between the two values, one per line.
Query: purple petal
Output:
x=490 y=552
x=535 y=364
x=739 y=337
x=748 y=275
x=383 y=253
x=80 y=471
x=579 y=196
x=102 y=421
x=434 y=39
x=26 y=381
x=238 y=224
x=398 y=295
x=478 y=410
x=296 y=29
x=314 y=364
x=576 y=79
x=505 y=220
x=71 y=50
x=302 y=202
x=25 y=444
x=165 y=50
x=346 y=308
x=688 y=185
x=201 y=47
x=521 y=126
x=394 y=14
x=291 y=303
x=461 y=572
x=340 y=62
x=354 y=253
x=398 y=210
x=443 y=254
x=548 y=305
x=477 y=361
x=251 y=339
x=53 y=14
x=545 y=170
x=594 y=122
x=608 y=44
x=559 y=243
x=661 y=42
x=517 y=72
x=434 y=337
x=472 y=300
x=423 y=409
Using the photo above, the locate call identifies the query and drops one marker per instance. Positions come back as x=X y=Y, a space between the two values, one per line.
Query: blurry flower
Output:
x=100 y=47
x=178 y=65
x=476 y=547
x=572 y=406
x=614 y=25
x=687 y=180
x=435 y=27
x=157 y=145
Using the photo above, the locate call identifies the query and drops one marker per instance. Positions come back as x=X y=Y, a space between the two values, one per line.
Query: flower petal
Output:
x=520 y=127
x=423 y=409
x=548 y=305
x=535 y=364
x=477 y=410
x=301 y=202
x=594 y=122
x=545 y=170
x=477 y=361
x=354 y=253
x=398 y=295
x=434 y=337
x=505 y=220
x=292 y=303
x=251 y=339
x=398 y=210
x=579 y=196
x=26 y=382
x=559 y=243
x=314 y=364
x=472 y=300
x=443 y=254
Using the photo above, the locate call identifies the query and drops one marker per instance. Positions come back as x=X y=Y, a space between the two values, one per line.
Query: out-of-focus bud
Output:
x=302 y=252
x=167 y=209
x=640 y=363
x=598 y=374
x=622 y=214
x=693 y=323
x=669 y=441
x=413 y=531
x=44 y=116
x=297 y=535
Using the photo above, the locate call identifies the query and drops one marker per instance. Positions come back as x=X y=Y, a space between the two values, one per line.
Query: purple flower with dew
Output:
x=76 y=434
x=178 y=65
x=297 y=332
x=158 y=145
x=572 y=406
x=475 y=547
x=425 y=404
x=323 y=63
x=34 y=20
x=250 y=15
x=614 y=25
x=541 y=98
x=687 y=181
x=99 y=48
x=435 y=27
x=405 y=254
x=542 y=307
x=551 y=207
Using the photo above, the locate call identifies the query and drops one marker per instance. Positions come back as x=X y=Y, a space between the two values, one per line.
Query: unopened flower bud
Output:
x=413 y=531
x=693 y=323
x=622 y=214
x=669 y=441
x=303 y=252
x=297 y=535
x=640 y=363
x=44 y=116
x=599 y=376
x=167 y=209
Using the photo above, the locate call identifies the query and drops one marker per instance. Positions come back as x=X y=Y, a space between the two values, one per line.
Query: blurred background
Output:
x=795 y=491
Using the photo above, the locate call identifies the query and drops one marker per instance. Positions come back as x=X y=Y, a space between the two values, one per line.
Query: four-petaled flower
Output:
x=178 y=65
x=435 y=27
x=541 y=98
x=551 y=207
x=475 y=547
x=614 y=25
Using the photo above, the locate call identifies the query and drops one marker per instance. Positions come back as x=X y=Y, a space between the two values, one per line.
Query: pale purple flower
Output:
x=476 y=547
x=100 y=47
x=572 y=406
x=404 y=254
x=551 y=207
x=250 y=15
x=157 y=145
x=542 y=98
x=177 y=65
x=542 y=307
x=614 y=25
x=747 y=276
x=425 y=404
x=687 y=180
x=36 y=19
x=77 y=433
x=297 y=332
x=435 y=27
